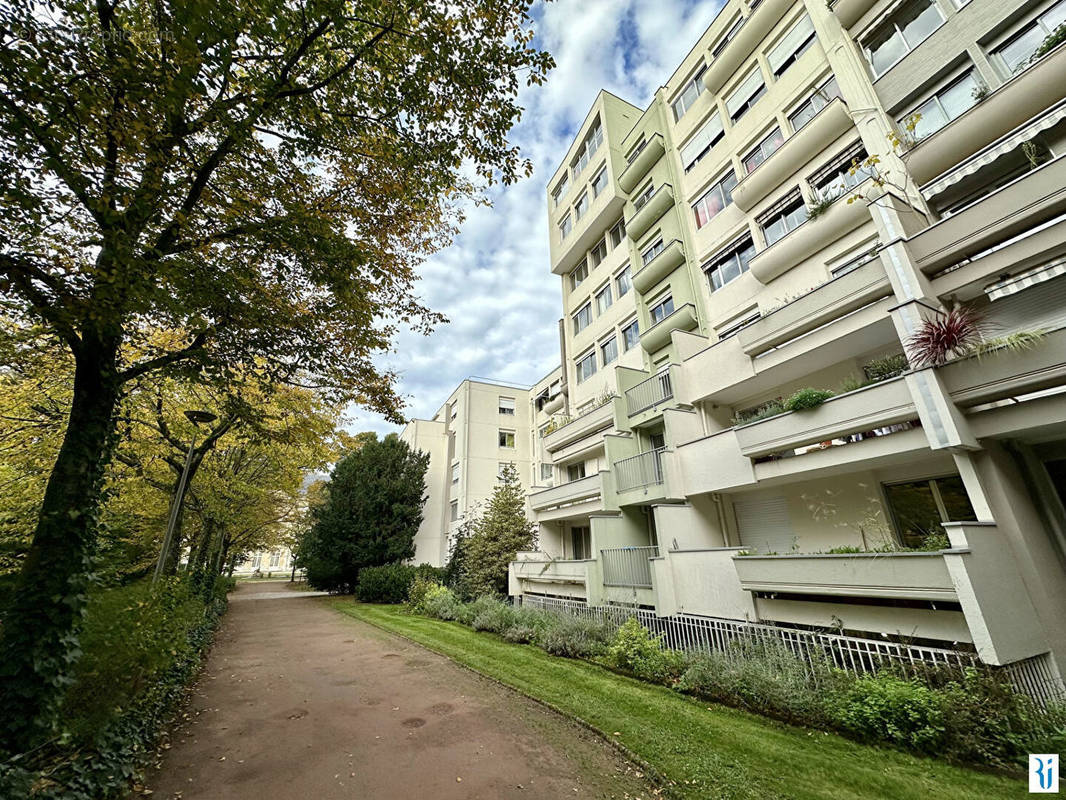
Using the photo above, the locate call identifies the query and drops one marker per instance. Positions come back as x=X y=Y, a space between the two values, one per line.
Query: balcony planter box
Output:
x=580 y=427
x=1007 y=373
x=658 y=204
x=818 y=307
x=586 y=488
x=871 y=407
x=912 y=576
x=828 y=125
x=751 y=34
x=659 y=267
x=839 y=220
x=658 y=336
x=639 y=166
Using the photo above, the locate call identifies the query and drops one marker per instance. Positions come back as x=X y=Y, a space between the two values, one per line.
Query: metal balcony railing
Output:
x=648 y=393
x=628 y=566
x=645 y=469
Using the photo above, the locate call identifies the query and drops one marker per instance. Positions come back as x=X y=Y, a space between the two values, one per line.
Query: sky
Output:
x=494 y=282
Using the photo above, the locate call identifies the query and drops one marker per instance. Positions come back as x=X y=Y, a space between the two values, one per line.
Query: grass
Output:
x=707 y=750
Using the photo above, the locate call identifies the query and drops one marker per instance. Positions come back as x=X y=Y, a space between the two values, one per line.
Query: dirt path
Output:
x=298 y=701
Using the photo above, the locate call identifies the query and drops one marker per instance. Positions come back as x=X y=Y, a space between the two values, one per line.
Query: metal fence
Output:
x=645 y=469
x=648 y=393
x=692 y=633
x=628 y=566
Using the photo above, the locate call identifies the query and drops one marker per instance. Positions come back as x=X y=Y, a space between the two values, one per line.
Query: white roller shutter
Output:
x=790 y=43
x=710 y=131
x=1035 y=307
x=763 y=524
x=748 y=87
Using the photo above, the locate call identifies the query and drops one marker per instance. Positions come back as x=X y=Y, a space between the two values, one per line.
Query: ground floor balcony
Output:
x=541 y=574
x=563 y=497
x=628 y=566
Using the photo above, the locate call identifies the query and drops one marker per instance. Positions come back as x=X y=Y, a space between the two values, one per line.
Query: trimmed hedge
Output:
x=391 y=583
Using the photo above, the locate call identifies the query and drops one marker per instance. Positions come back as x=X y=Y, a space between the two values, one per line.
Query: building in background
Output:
x=276 y=563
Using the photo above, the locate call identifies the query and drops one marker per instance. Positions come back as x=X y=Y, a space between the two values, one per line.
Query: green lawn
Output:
x=710 y=751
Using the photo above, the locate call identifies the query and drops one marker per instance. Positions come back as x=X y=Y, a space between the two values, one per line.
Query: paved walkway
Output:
x=300 y=701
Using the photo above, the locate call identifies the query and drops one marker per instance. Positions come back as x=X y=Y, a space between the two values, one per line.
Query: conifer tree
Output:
x=499 y=533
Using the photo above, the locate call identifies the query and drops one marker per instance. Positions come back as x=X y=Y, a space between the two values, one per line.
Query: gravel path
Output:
x=299 y=701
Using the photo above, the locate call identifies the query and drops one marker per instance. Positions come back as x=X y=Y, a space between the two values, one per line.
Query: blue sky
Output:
x=494 y=282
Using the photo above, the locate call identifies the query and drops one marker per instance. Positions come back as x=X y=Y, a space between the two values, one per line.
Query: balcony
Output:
x=587 y=488
x=1015 y=102
x=810 y=140
x=713 y=464
x=839 y=220
x=653 y=208
x=850 y=11
x=628 y=566
x=639 y=471
x=910 y=576
x=659 y=267
x=828 y=302
x=1007 y=373
x=750 y=35
x=535 y=567
x=865 y=409
x=1036 y=196
x=595 y=420
x=553 y=405
x=648 y=394
x=641 y=162
x=658 y=335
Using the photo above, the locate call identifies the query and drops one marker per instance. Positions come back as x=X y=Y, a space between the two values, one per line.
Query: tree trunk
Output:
x=40 y=630
x=173 y=556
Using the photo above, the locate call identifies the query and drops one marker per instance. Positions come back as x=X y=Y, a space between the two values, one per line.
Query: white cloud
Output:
x=494 y=282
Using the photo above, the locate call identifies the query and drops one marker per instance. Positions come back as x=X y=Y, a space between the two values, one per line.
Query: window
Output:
x=455 y=474
x=1016 y=54
x=618 y=233
x=906 y=28
x=636 y=149
x=730 y=263
x=586 y=367
x=661 y=310
x=692 y=90
x=501 y=469
x=624 y=282
x=583 y=318
x=599 y=183
x=843 y=173
x=603 y=299
x=566 y=226
x=599 y=252
x=575 y=472
x=946 y=104
x=507 y=406
x=792 y=45
x=644 y=196
x=581 y=206
x=920 y=508
x=702 y=141
x=580 y=543
x=546 y=472
x=560 y=190
x=763 y=150
x=593 y=140
x=609 y=350
x=788 y=215
x=506 y=439
x=454 y=410
x=717 y=198
x=648 y=255
x=729 y=35
x=807 y=110
x=630 y=336
x=849 y=262
x=746 y=94
x=275 y=559
x=578 y=275
x=733 y=326
x=257 y=561
x=455 y=510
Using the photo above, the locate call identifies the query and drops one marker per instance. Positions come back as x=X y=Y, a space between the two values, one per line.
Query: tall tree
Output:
x=370 y=516
x=257 y=179
x=498 y=533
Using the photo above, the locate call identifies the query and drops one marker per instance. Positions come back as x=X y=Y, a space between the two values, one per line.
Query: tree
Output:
x=371 y=514
x=498 y=534
x=256 y=181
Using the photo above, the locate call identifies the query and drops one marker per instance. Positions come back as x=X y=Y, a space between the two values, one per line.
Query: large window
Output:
x=624 y=282
x=702 y=141
x=565 y=226
x=583 y=318
x=455 y=474
x=581 y=206
x=763 y=150
x=730 y=263
x=546 y=472
x=586 y=367
x=844 y=172
x=506 y=439
x=593 y=140
x=1016 y=54
x=644 y=196
x=630 y=336
x=906 y=28
x=454 y=510
x=661 y=310
x=693 y=89
x=714 y=200
x=598 y=253
x=603 y=299
x=807 y=110
x=560 y=190
x=792 y=45
x=580 y=543
x=920 y=508
x=599 y=183
x=618 y=233
x=578 y=275
x=945 y=105
x=609 y=350
x=649 y=254
x=575 y=472
x=746 y=94
x=788 y=215
x=727 y=37
x=507 y=406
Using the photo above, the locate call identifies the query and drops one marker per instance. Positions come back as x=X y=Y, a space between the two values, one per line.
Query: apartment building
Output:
x=483 y=426
x=812 y=187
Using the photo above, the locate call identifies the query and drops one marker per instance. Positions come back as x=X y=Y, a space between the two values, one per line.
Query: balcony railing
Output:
x=649 y=393
x=628 y=566
x=645 y=469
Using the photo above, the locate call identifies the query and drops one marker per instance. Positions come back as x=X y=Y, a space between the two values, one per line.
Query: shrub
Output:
x=636 y=651
x=891 y=709
x=575 y=637
x=386 y=584
x=493 y=616
x=948 y=335
x=766 y=410
x=520 y=633
x=807 y=398
x=886 y=367
x=441 y=602
x=417 y=591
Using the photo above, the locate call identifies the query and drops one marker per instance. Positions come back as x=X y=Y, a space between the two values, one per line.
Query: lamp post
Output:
x=195 y=417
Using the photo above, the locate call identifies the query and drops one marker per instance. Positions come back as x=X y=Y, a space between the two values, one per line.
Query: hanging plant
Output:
x=948 y=335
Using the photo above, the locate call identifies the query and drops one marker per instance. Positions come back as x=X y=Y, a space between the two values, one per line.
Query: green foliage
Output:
x=891 y=709
x=493 y=615
x=442 y=603
x=769 y=409
x=371 y=514
x=393 y=583
x=882 y=369
x=498 y=534
x=420 y=587
x=1051 y=41
x=575 y=637
x=807 y=398
x=1016 y=342
x=819 y=208
x=636 y=651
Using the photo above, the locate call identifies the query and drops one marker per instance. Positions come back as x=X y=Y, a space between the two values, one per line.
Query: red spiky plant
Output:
x=948 y=335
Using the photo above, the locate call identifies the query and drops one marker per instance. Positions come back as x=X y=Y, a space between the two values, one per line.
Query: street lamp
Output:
x=195 y=417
